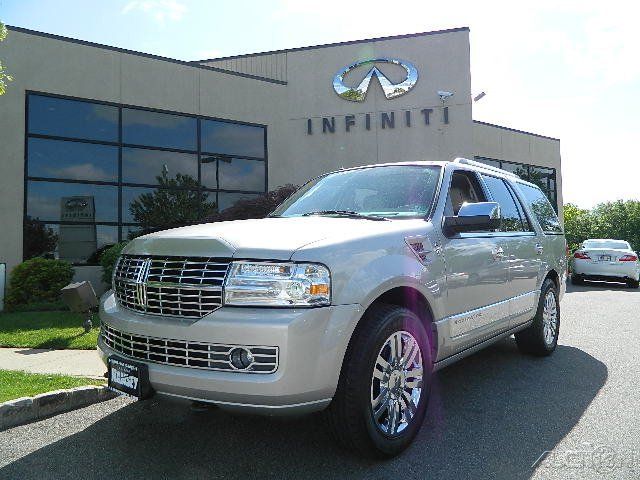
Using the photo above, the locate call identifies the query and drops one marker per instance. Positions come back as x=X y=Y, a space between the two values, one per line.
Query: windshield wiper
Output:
x=345 y=213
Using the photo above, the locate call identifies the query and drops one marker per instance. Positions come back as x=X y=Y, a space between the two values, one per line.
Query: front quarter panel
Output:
x=364 y=269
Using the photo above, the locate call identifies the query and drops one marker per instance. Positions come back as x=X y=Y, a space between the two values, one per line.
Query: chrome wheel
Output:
x=550 y=317
x=396 y=383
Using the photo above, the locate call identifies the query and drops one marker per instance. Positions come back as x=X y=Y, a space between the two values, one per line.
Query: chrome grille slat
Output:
x=207 y=356
x=189 y=287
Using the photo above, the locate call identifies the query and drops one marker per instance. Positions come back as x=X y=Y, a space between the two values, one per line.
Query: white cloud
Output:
x=159 y=10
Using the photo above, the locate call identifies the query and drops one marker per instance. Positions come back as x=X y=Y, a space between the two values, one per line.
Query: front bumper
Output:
x=311 y=343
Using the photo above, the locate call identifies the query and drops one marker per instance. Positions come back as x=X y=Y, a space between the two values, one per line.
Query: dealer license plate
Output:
x=130 y=378
x=605 y=258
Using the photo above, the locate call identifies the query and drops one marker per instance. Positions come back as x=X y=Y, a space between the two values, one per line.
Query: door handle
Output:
x=539 y=249
x=498 y=253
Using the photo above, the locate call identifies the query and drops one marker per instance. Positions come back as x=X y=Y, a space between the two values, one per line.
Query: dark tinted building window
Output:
x=511 y=220
x=241 y=174
x=227 y=200
x=232 y=139
x=545 y=178
x=142 y=165
x=72 y=160
x=72 y=118
x=100 y=173
x=72 y=202
x=541 y=208
x=141 y=127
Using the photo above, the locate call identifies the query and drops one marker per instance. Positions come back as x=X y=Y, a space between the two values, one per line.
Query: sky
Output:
x=566 y=69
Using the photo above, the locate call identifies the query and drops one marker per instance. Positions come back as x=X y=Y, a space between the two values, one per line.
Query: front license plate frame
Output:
x=127 y=377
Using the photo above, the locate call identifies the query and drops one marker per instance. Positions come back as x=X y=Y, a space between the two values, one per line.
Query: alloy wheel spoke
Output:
x=394 y=413
x=410 y=407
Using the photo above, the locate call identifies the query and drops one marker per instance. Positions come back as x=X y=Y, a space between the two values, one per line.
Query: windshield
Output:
x=614 y=244
x=398 y=191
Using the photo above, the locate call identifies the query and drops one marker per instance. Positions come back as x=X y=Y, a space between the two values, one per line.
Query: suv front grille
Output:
x=188 y=287
x=187 y=353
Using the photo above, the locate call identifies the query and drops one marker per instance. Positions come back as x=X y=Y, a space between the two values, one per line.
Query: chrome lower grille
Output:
x=188 y=287
x=190 y=354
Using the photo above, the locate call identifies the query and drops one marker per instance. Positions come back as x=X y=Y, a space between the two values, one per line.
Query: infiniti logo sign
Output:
x=359 y=93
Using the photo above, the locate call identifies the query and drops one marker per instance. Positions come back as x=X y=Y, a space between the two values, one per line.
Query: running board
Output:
x=445 y=362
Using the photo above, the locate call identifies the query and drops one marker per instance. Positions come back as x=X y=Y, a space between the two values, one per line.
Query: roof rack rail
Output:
x=473 y=163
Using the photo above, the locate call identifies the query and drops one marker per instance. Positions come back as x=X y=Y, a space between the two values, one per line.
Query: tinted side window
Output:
x=541 y=208
x=511 y=220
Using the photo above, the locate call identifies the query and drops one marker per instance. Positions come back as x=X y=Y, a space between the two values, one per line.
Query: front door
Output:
x=477 y=272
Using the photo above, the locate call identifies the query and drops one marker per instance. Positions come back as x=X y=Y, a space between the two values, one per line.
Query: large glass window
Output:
x=72 y=160
x=141 y=127
x=233 y=139
x=101 y=173
x=144 y=166
x=72 y=118
x=543 y=177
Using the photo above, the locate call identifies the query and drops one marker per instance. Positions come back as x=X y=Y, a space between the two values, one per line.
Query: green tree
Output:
x=39 y=240
x=4 y=76
x=620 y=220
x=578 y=225
x=176 y=202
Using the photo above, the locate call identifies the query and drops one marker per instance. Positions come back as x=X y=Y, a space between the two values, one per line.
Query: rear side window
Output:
x=512 y=219
x=541 y=208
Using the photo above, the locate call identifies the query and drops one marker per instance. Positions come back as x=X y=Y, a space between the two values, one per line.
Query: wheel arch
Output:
x=553 y=275
x=414 y=300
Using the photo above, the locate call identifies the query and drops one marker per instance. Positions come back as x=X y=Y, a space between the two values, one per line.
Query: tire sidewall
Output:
x=400 y=319
x=546 y=286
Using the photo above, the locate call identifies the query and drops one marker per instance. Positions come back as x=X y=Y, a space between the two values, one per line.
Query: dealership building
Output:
x=90 y=134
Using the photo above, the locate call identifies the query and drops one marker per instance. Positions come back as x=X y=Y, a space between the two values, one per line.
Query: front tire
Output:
x=383 y=391
x=541 y=337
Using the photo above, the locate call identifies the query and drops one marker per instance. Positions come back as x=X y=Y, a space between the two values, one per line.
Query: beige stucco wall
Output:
x=58 y=66
x=499 y=143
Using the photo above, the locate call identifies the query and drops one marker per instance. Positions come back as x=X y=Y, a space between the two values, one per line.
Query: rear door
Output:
x=522 y=247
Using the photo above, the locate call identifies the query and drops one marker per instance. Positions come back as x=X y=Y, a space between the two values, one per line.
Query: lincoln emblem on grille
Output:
x=141 y=283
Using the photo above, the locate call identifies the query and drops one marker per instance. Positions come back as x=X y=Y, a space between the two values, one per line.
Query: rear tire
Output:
x=541 y=338
x=383 y=391
x=633 y=283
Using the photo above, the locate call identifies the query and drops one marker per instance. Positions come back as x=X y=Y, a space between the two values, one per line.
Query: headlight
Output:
x=277 y=284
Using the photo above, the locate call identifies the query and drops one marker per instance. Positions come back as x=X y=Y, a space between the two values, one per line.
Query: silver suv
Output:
x=345 y=299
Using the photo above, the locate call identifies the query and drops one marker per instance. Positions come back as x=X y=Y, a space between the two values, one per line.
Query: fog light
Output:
x=241 y=358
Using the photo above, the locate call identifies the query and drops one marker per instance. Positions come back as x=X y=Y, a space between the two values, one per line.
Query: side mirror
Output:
x=473 y=217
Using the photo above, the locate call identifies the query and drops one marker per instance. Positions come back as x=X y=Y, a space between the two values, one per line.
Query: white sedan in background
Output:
x=606 y=260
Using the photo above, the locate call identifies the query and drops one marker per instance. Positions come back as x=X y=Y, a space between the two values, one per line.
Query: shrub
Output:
x=108 y=261
x=38 y=280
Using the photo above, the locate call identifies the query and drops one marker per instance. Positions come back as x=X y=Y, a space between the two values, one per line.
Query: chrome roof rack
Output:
x=473 y=163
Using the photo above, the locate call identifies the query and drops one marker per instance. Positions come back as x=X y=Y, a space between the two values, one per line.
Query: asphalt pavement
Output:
x=496 y=414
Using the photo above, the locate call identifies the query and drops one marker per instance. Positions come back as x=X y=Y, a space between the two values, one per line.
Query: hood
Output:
x=267 y=238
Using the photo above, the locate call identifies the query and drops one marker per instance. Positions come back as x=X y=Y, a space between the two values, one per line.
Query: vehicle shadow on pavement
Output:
x=491 y=416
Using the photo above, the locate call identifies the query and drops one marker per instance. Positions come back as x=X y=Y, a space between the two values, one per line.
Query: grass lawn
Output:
x=14 y=384
x=46 y=330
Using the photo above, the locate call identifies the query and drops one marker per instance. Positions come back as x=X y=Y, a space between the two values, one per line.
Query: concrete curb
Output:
x=29 y=409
